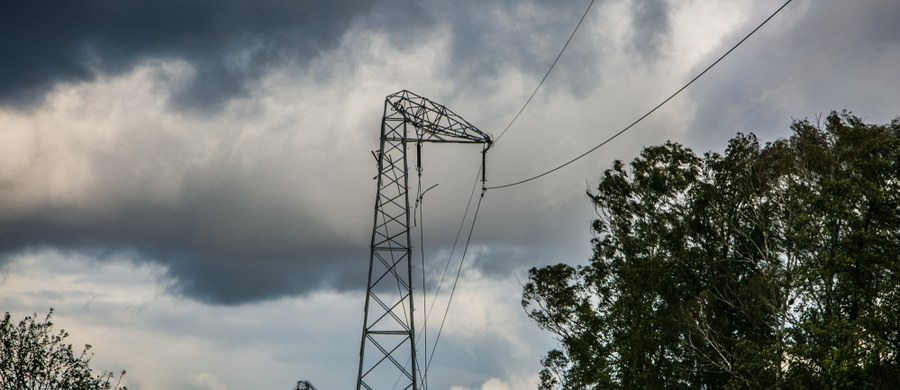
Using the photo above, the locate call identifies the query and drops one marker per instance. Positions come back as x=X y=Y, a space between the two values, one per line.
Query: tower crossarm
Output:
x=433 y=121
x=388 y=349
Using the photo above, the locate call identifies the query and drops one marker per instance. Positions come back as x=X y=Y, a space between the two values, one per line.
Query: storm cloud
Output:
x=228 y=141
x=233 y=213
x=192 y=180
x=229 y=44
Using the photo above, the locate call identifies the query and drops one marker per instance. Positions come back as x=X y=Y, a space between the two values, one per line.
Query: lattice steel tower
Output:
x=387 y=351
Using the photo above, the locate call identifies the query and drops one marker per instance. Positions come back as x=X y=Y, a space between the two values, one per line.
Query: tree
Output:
x=766 y=266
x=33 y=357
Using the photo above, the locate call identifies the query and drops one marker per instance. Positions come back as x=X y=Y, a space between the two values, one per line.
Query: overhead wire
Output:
x=455 y=243
x=456 y=280
x=462 y=223
x=546 y=74
x=430 y=358
x=420 y=206
x=620 y=132
x=477 y=208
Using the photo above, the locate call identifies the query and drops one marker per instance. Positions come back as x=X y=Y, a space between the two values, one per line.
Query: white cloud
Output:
x=207 y=381
x=495 y=384
x=125 y=309
x=286 y=169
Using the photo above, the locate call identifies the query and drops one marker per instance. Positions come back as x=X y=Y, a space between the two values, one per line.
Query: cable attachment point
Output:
x=484 y=167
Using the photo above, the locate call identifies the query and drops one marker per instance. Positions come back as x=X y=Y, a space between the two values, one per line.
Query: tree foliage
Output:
x=773 y=266
x=32 y=357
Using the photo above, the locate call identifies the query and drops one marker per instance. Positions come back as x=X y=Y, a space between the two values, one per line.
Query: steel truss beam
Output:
x=387 y=352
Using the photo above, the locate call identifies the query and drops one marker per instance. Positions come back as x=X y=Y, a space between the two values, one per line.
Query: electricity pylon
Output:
x=387 y=351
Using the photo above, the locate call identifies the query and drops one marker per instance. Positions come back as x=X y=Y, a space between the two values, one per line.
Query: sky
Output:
x=189 y=184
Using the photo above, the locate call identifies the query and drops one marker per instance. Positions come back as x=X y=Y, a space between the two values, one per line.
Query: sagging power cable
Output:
x=620 y=132
x=456 y=280
x=484 y=189
x=545 y=74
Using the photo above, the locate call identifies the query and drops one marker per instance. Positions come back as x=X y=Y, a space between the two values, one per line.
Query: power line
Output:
x=462 y=223
x=420 y=204
x=478 y=206
x=546 y=74
x=456 y=281
x=563 y=165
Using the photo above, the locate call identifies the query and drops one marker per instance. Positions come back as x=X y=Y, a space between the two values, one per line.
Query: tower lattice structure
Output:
x=387 y=352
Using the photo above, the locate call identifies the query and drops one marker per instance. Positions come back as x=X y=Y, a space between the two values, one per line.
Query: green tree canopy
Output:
x=32 y=357
x=773 y=266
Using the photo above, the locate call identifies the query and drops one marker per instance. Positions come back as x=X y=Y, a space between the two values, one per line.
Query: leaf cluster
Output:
x=773 y=265
x=33 y=357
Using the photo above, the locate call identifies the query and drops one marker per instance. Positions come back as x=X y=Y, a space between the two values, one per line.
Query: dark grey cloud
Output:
x=266 y=223
x=229 y=44
x=259 y=202
x=225 y=237
x=651 y=27
x=814 y=57
x=216 y=250
x=490 y=38
x=232 y=216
